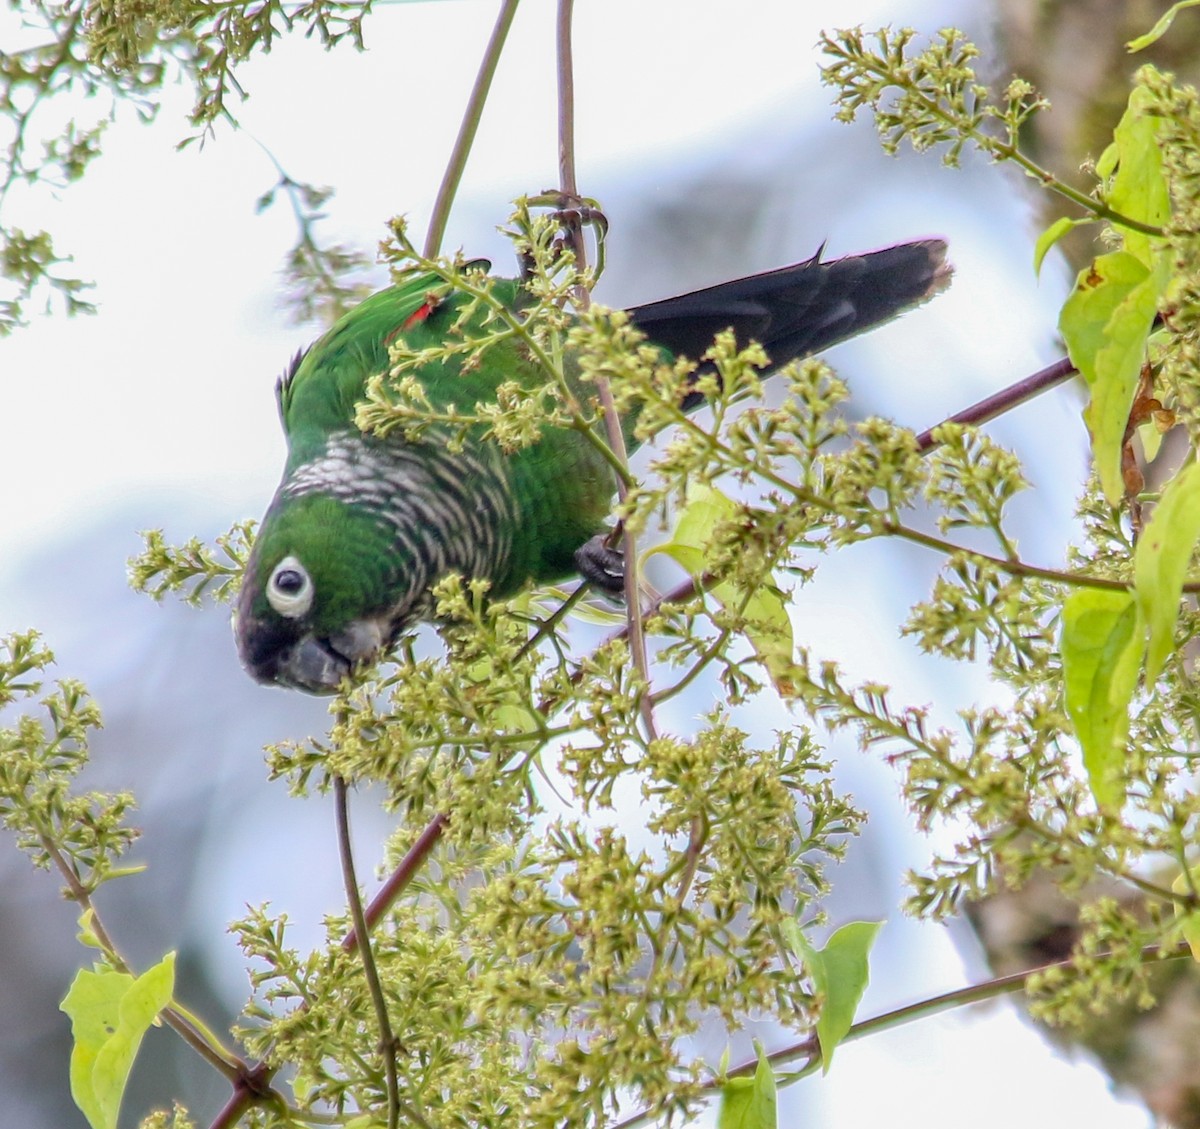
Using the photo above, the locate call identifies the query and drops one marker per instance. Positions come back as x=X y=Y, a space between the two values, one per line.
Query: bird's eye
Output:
x=290 y=590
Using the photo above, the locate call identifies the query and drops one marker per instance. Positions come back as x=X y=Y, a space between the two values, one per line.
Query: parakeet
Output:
x=362 y=527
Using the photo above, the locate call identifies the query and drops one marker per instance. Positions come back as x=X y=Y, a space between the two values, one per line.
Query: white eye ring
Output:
x=290 y=589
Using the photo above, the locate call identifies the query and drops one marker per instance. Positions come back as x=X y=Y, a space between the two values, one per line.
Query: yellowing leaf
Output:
x=1102 y=645
x=1151 y=437
x=1105 y=323
x=1161 y=562
x=110 y=1012
x=749 y=1103
x=769 y=629
x=840 y=973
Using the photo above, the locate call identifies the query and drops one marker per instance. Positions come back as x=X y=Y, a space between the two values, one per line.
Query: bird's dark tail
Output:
x=803 y=308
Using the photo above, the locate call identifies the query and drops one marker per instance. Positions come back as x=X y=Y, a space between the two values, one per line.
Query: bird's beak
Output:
x=318 y=665
x=274 y=652
x=273 y=655
x=312 y=665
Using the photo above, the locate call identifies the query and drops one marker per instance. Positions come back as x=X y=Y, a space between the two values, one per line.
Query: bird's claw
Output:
x=572 y=214
x=602 y=565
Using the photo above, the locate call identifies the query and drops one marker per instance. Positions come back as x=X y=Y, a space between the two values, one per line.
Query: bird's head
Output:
x=313 y=605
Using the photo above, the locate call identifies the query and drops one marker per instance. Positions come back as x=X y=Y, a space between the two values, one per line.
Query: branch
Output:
x=612 y=422
x=466 y=132
x=387 y=1041
x=227 y=1064
x=1005 y=400
x=397 y=881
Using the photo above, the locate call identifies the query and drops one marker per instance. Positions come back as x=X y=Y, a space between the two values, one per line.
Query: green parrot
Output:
x=362 y=527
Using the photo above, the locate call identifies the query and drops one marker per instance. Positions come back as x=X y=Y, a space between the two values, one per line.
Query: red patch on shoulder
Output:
x=418 y=315
x=421 y=312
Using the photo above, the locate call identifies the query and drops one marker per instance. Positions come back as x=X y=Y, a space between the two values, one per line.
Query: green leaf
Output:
x=1103 y=640
x=110 y=1012
x=1109 y=315
x=704 y=509
x=840 y=972
x=750 y=1103
x=1105 y=323
x=87 y=931
x=1052 y=235
x=1160 y=28
x=769 y=629
x=1138 y=188
x=1161 y=561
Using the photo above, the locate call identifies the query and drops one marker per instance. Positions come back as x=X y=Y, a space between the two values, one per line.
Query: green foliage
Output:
x=705 y=519
x=192 y=570
x=572 y=963
x=321 y=282
x=539 y=970
x=1161 y=563
x=840 y=974
x=116 y=55
x=110 y=1012
x=396 y=400
x=750 y=1103
x=1102 y=650
x=41 y=754
x=1162 y=27
x=928 y=98
x=1105 y=323
x=1107 y=319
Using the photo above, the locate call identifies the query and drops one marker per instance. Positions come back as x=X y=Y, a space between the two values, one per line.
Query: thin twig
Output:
x=466 y=132
x=253 y=1085
x=612 y=421
x=398 y=880
x=228 y=1064
x=253 y=1088
x=387 y=1042
x=1004 y=400
x=922 y=1009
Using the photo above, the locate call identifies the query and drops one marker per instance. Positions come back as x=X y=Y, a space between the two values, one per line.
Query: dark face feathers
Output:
x=273 y=628
x=320 y=595
x=289 y=651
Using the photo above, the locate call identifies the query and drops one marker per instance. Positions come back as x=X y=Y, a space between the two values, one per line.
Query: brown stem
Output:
x=566 y=115
x=251 y=1088
x=253 y=1083
x=398 y=880
x=233 y=1068
x=1005 y=400
x=387 y=1042
x=809 y=1048
x=612 y=422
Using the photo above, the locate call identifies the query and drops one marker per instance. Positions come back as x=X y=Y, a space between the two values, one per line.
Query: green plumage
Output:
x=361 y=527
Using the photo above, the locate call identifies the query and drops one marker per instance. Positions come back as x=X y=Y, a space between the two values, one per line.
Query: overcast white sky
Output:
x=166 y=396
